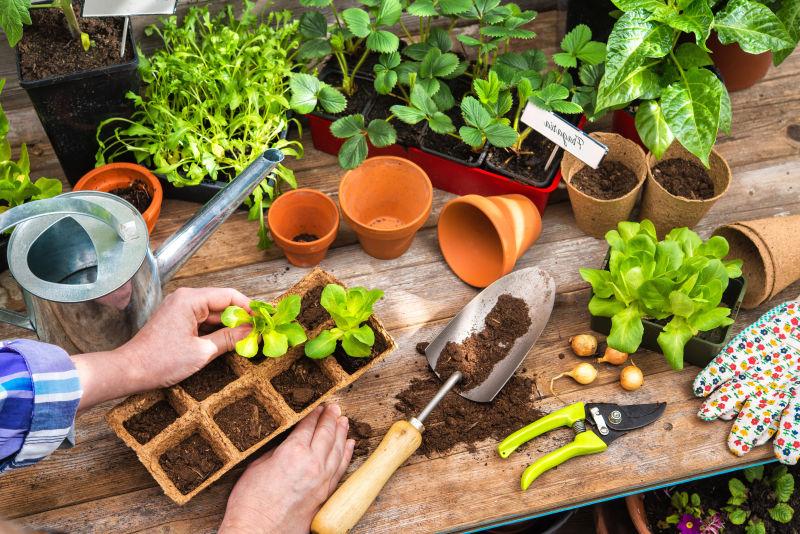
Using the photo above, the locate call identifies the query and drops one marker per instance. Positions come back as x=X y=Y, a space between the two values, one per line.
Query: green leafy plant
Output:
x=16 y=187
x=214 y=99
x=680 y=279
x=759 y=26
x=781 y=485
x=14 y=14
x=274 y=327
x=350 y=310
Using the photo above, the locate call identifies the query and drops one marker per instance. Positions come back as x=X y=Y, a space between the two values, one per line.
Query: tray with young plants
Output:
x=314 y=340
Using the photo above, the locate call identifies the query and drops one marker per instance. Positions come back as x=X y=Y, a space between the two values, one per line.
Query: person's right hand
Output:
x=283 y=490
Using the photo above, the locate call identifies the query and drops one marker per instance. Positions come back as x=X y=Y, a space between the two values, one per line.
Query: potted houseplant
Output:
x=466 y=106
x=664 y=295
x=73 y=72
x=203 y=117
x=16 y=187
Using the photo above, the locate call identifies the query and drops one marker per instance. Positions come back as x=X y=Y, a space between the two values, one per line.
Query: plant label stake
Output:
x=349 y=503
x=564 y=135
x=127 y=8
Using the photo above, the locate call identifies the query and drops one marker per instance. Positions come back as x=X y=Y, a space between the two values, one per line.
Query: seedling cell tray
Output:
x=199 y=424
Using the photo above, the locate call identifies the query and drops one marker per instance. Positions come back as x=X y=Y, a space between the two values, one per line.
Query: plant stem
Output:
x=66 y=7
x=405 y=31
x=360 y=62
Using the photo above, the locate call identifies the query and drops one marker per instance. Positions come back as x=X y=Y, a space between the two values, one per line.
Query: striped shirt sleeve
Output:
x=41 y=393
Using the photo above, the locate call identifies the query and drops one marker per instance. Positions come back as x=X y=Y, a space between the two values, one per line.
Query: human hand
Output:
x=756 y=379
x=166 y=350
x=282 y=490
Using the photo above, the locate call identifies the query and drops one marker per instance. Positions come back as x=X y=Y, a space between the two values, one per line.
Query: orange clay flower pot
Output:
x=386 y=200
x=303 y=213
x=483 y=237
x=113 y=176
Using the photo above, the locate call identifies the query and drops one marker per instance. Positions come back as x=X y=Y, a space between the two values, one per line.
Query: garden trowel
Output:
x=533 y=285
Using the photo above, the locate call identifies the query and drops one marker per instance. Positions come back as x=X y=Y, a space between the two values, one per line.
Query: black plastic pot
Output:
x=70 y=108
x=697 y=351
x=593 y=13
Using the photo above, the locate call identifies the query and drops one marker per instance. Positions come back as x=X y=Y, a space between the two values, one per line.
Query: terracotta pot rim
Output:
x=391 y=233
x=310 y=246
x=651 y=181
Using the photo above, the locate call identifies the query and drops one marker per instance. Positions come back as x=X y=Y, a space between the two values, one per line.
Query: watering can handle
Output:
x=51 y=206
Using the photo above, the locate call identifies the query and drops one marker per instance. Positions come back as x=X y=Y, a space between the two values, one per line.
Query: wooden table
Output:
x=100 y=486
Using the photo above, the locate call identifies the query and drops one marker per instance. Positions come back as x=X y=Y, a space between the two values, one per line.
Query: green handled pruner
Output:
x=608 y=421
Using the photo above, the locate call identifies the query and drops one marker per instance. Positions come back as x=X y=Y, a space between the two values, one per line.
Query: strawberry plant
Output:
x=274 y=327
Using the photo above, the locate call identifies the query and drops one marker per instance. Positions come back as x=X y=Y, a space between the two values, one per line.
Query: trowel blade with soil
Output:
x=533 y=285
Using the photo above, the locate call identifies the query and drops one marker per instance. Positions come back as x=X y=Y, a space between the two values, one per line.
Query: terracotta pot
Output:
x=739 y=69
x=668 y=211
x=770 y=250
x=386 y=200
x=303 y=211
x=482 y=238
x=635 y=504
x=596 y=216
x=119 y=175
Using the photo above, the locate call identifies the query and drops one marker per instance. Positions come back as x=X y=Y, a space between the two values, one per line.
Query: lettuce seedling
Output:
x=275 y=326
x=680 y=278
x=349 y=309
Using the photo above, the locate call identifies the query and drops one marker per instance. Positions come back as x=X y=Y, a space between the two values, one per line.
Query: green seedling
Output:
x=681 y=278
x=780 y=483
x=350 y=310
x=273 y=326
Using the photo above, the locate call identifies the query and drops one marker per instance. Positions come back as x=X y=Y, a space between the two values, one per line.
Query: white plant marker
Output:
x=564 y=135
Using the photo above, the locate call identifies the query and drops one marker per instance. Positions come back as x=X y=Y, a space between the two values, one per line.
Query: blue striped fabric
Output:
x=39 y=396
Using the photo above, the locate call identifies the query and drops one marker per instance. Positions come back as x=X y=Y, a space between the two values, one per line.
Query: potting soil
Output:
x=190 y=462
x=684 y=178
x=146 y=425
x=312 y=314
x=136 y=194
x=245 y=422
x=212 y=378
x=610 y=180
x=302 y=383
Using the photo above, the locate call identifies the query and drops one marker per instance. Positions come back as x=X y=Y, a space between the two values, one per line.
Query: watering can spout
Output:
x=176 y=250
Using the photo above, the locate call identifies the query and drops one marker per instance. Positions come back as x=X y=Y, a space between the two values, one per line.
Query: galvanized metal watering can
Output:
x=83 y=260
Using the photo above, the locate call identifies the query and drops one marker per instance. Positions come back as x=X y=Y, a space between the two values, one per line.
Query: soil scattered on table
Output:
x=458 y=420
x=477 y=355
x=684 y=178
x=48 y=49
x=245 y=422
x=312 y=314
x=422 y=347
x=208 y=380
x=304 y=238
x=190 y=462
x=137 y=194
x=302 y=383
x=360 y=432
x=146 y=425
x=351 y=364
x=610 y=180
x=528 y=165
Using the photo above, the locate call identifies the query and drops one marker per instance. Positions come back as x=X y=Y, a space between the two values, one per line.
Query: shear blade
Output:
x=624 y=418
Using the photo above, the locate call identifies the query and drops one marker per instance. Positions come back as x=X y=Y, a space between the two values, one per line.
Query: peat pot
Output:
x=89 y=279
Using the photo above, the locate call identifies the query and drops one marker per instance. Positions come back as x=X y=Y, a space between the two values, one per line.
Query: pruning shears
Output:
x=608 y=422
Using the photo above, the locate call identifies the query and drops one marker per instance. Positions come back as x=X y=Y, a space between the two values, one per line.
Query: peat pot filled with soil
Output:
x=680 y=189
x=603 y=197
x=74 y=90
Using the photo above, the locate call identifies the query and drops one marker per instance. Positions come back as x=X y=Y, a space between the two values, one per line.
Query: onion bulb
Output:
x=631 y=378
x=614 y=357
x=583 y=344
x=583 y=373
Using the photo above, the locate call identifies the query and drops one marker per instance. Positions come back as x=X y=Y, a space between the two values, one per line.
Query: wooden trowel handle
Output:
x=349 y=503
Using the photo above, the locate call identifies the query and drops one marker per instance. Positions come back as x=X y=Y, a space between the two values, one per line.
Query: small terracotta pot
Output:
x=482 y=238
x=596 y=216
x=739 y=69
x=303 y=211
x=119 y=175
x=668 y=211
x=386 y=200
x=635 y=504
x=770 y=250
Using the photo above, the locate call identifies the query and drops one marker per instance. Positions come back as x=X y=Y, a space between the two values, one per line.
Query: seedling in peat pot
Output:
x=350 y=309
x=275 y=326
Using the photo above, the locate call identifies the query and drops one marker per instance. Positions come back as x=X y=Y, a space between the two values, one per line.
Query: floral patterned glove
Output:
x=757 y=376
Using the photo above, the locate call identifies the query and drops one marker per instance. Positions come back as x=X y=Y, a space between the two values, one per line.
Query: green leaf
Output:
x=353 y=152
x=605 y=307
x=474 y=113
x=321 y=346
x=471 y=136
x=248 y=347
x=692 y=108
x=382 y=41
x=782 y=513
x=454 y=7
x=295 y=334
x=422 y=101
x=753 y=26
x=355 y=348
x=48 y=187
x=381 y=133
x=313 y=25
x=365 y=335
x=422 y=8
x=348 y=126
x=500 y=135
x=304 y=88
x=737 y=488
x=275 y=344
x=234 y=316
x=626 y=330
x=680 y=304
x=13 y=15
x=385 y=81
x=690 y=55
x=562 y=106
x=696 y=17
x=755 y=526
x=784 y=487
x=288 y=309
x=653 y=128
x=407 y=114
x=357 y=21
x=789 y=14
x=737 y=516
x=441 y=123
x=389 y=12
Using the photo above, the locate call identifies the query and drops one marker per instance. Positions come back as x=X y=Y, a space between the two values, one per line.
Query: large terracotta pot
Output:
x=482 y=238
x=303 y=212
x=739 y=69
x=635 y=504
x=113 y=176
x=386 y=200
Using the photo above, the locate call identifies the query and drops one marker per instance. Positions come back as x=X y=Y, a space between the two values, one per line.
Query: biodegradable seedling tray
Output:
x=205 y=418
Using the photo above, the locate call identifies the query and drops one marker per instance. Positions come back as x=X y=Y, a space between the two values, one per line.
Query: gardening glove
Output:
x=757 y=376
